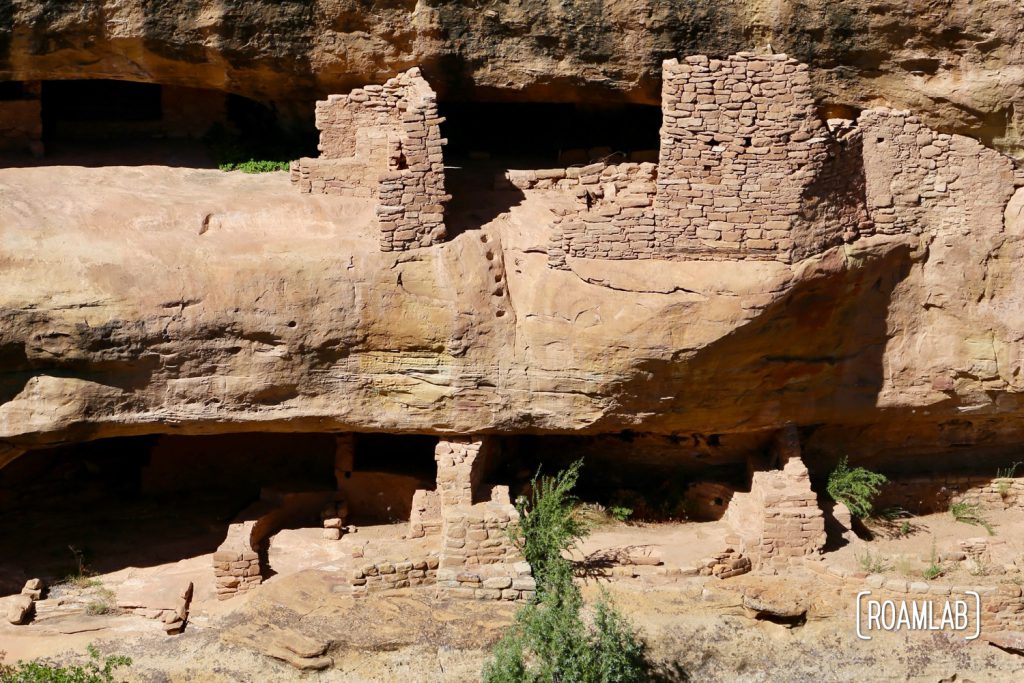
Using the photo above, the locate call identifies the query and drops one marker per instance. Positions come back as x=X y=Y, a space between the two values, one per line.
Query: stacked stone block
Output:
x=725 y=564
x=475 y=543
x=236 y=569
x=384 y=141
x=478 y=535
x=482 y=583
x=741 y=144
x=614 y=216
x=779 y=518
x=425 y=519
x=461 y=464
x=333 y=518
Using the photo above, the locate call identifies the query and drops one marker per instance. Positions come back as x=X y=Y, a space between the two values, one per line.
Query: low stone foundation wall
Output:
x=725 y=564
x=1002 y=605
x=382 y=575
x=238 y=562
x=345 y=177
x=925 y=495
x=507 y=582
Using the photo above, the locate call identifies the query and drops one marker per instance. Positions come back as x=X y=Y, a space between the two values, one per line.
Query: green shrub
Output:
x=856 y=488
x=934 y=569
x=248 y=154
x=621 y=513
x=1004 y=477
x=96 y=670
x=550 y=641
x=254 y=166
x=969 y=513
x=548 y=521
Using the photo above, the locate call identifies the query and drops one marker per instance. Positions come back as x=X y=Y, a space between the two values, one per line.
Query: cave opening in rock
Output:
x=142 y=501
x=548 y=134
x=104 y=122
x=387 y=471
x=668 y=477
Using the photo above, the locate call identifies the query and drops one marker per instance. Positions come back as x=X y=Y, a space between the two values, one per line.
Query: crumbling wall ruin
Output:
x=384 y=141
x=779 y=518
x=917 y=177
x=923 y=495
x=469 y=523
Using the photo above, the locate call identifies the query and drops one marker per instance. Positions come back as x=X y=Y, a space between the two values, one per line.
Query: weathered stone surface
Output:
x=959 y=63
x=20 y=609
x=120 y=316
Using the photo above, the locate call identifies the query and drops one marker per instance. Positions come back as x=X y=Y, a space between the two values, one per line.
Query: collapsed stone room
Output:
x=287 y=417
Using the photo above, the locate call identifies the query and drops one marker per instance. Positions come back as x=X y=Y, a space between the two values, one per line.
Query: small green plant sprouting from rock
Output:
x=934 y=569
x=905 y=529
x=1004 y=477
x=550 y=641
x=970 y=513
x=104 y=602
x=621 y=512
x=979 y=566
x=873 y=563
x=81 y=581
x=97 y=670
x=856 y=487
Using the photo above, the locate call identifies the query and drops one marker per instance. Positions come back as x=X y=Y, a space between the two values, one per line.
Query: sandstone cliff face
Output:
x=959 y=63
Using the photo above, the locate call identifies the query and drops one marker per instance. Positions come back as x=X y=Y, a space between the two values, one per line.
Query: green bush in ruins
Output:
x=254 y=166
x=856 y=487
x=96 y=670
x=550 y=641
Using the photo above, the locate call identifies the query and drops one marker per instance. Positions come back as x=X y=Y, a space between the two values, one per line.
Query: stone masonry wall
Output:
x=372 y=577
x=925 y=495
x=475 y=556
x=614 y=216
x=747 y=170
x=425 y=519
x=916 y=176
x=384 y=141
x=236 y=564
x=1002 y=603
x=741 y=142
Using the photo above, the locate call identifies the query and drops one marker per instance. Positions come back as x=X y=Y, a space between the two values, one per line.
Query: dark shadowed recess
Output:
x=485 y=139
x=142 y=501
